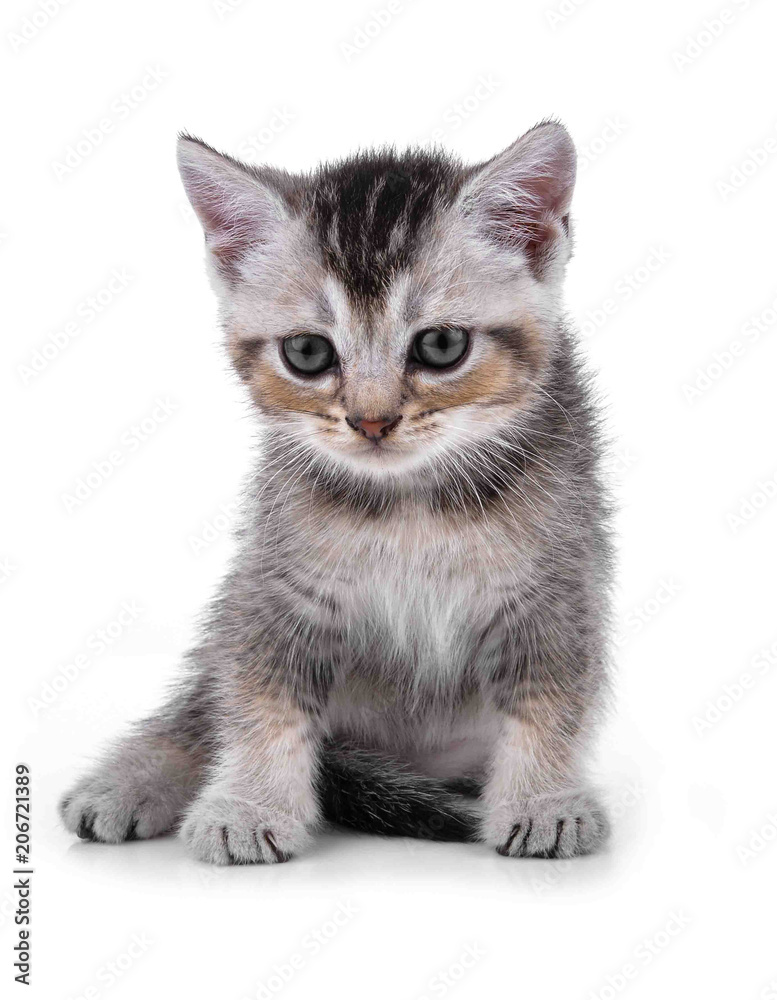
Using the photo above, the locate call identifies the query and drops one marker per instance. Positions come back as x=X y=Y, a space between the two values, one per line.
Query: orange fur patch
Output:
x=274 y=392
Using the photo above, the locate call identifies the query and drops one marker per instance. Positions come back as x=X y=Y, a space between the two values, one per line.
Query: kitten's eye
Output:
x=308 y=353
x=440 y=347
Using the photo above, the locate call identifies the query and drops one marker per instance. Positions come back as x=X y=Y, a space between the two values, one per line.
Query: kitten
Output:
x=412 y=639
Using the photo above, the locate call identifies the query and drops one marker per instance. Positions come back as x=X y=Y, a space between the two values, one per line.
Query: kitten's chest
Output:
x=422 y=595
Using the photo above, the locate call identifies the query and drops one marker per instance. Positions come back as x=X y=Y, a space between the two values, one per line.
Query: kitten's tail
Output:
x=372 y=792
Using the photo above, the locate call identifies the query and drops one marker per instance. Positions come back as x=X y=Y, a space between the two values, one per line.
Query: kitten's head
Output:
x=390 y=312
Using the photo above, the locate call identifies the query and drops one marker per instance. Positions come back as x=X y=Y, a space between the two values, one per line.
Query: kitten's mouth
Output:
x=370 y=448
x=386 y=458
x=381 y=452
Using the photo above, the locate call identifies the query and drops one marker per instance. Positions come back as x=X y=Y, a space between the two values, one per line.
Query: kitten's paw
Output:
x=563 y=825
x=228 y=831
x=109 y=809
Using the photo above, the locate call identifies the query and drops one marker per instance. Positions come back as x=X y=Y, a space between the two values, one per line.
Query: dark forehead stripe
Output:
x=368 y=210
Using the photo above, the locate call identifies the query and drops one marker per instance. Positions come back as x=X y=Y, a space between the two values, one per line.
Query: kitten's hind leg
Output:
x=139 y=790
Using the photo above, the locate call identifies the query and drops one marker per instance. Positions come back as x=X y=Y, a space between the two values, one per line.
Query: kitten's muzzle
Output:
x=374 y=430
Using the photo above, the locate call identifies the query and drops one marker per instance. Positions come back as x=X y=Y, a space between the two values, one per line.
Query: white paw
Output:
x=231 y=831
x=108 y=808
x=562 y=825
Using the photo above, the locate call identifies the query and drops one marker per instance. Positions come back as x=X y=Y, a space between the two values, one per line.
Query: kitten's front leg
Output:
x=260 y=805
x=536 y=801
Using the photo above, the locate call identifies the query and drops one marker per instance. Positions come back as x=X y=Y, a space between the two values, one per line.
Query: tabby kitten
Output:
x=412 y=637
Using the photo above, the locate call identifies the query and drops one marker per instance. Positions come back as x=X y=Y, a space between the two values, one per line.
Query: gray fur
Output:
x=439 y=599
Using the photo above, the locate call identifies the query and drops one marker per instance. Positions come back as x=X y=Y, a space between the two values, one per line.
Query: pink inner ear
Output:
x=524 y=219
x=232 y=223
x=522 y=196
x=231 y=233
x=235 y=209
x=551 y=192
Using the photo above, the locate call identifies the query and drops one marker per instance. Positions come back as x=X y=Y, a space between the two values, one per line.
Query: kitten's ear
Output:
x=237 y=209
x=520 y=199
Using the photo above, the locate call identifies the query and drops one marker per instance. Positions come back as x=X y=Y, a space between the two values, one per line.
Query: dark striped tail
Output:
x=366 y=790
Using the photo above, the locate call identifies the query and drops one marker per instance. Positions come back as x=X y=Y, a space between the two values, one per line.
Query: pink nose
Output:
x=376 y=429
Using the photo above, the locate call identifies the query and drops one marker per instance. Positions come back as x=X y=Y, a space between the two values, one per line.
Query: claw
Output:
x=86 y=828
x=280 y=856
x=230 y=859
x=504 y=850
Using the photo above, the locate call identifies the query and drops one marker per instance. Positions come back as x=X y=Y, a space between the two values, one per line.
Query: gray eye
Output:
x=308 y=353
x=440 y=347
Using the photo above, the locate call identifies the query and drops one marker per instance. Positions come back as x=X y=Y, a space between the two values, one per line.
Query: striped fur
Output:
x=406 y=618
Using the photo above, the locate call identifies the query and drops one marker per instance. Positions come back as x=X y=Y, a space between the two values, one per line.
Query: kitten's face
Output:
x=390 y=312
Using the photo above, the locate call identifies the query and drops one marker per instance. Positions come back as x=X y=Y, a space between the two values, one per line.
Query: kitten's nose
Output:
x=374 y=429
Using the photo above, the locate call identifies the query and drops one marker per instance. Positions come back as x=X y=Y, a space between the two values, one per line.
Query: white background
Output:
x=675 y=223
